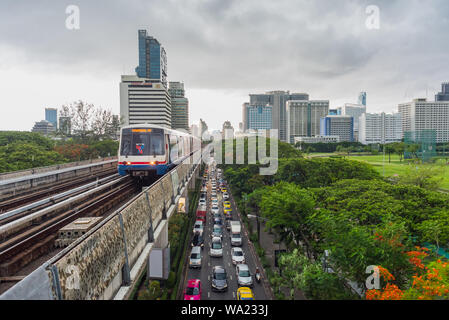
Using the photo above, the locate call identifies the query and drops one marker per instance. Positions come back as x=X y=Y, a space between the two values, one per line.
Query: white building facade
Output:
x=421 y=114
x=144 y=101
x=380 y=128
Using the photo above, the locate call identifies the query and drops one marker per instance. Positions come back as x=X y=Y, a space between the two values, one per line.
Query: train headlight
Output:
x=153 y=163
x=127 y=163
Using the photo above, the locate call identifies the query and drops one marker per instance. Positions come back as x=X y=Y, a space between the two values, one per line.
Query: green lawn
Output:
x=396 y=167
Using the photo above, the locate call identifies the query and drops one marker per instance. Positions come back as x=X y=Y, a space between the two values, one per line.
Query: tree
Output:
x=300 y=273
x=389 y=148
x=287 y=206
x=399 y=148
x=436 y=229
x=89 y=122
x=424 y=176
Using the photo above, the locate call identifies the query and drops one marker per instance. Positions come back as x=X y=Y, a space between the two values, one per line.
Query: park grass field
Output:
x=387 y=169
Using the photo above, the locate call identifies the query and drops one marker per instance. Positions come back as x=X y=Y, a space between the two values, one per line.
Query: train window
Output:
x=126 y=142
x=141 y=144
x=157 y=144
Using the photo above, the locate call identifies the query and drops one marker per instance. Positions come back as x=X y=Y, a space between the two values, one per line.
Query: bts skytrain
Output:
x=150 y=150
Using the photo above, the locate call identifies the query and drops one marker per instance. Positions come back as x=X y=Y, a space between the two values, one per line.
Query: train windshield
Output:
x=142 y=142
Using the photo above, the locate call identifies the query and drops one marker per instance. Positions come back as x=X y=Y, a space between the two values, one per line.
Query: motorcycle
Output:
x=257 y=275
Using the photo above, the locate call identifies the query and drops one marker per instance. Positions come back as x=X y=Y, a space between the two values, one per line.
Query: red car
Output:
x=193 y=290
x=201 y=215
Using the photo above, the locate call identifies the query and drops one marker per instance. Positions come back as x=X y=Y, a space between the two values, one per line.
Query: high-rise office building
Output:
x=259 y=117
x=144 y=101
x=444 y=94
x=303 y=117
x=179 y=106
x=355 y=111
x=152 y=59
x=362 y=98
x=380 y=128
x=340 y=125
x=51 y=115
x=421 y=114
x=277 y=100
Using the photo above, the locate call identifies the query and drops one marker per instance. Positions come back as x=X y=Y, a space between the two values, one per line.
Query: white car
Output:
x=225 y=195
x=216 y=247
x=198 y=227
x=237 y=255
x=214 y=209
x=202 y=202
x=244 y=278
x=213 y=194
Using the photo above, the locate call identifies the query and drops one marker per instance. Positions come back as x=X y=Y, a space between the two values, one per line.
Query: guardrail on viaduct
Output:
x=107 y=261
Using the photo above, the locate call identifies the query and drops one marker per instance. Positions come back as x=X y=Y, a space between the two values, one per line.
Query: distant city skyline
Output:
x=217 y=50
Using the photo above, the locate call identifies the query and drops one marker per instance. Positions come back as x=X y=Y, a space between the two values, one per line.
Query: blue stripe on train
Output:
x=160 y=169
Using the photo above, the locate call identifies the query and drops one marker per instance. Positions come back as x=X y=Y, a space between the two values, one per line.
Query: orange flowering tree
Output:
x=430 y=282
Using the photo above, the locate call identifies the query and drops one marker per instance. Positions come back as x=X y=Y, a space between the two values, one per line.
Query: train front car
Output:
x=143 y=151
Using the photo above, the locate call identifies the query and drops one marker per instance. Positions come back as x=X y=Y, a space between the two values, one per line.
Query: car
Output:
x=203 y=195
x=195 y=258
x=198 y=240
x=219 y=279
x=244 y=278
x=218 y=221
x=227 y=211
x=202 y=202
x=198 y=227
x=214 y=209
x=217 y=231
x=193 y=290
x=245 y=293
x=225 y=195
x=213 y=194
x=227 y=203
x=228 y=224
x=217 y=215
x=224 y=190
x=216 y=247
x=237 y=255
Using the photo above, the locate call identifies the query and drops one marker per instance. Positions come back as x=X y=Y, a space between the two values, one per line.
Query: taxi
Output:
x=193 y=290
x=227 y=204
x=223 y=190
x=227 y=210
x=245 y=293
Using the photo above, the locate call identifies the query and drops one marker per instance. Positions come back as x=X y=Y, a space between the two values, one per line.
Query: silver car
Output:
x=244 y=278
x=214 y=209
x=198 y=227
x=216 y=247
x=195 y=258
x=237 y=255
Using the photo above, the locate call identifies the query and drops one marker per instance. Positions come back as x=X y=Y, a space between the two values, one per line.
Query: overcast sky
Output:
x=222 y=50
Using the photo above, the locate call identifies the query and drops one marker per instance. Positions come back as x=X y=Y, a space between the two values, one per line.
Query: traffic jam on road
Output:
x=221 y=265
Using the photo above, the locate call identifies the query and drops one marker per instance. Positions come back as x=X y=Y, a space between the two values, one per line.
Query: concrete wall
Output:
x=21 y=173
x=31 y=181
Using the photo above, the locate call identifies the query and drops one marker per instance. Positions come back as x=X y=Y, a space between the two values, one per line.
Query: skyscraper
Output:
x=144 y=101
x=259 y=117
x=179 y=106
x=362 y=98
x=152 y=59
x=51 y=115
x=303 y=117
x=277 y=100
x=420 y=115
x=380 y=128
x=444 y=94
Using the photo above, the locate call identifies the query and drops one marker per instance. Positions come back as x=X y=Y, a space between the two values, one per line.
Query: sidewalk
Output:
x=267 y=242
